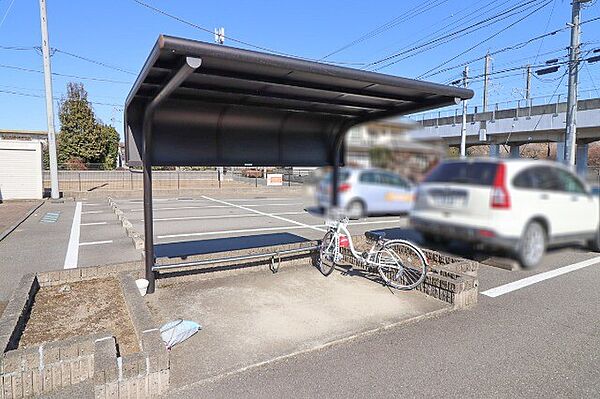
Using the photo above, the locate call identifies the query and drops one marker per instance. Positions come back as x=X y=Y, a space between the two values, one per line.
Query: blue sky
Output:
x=121 y=33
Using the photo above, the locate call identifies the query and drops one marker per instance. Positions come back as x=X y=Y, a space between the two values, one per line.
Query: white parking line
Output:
x=247 y=215
x=91 y=212
x=317 y=227
x=86 y=204
x=517 y=285
x=72 y=255
x=95 y=243
x=174 y=208
x=93 y=224
x=247 y=208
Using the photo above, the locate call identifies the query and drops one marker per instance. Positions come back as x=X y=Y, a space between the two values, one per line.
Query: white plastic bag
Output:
x=178 y=331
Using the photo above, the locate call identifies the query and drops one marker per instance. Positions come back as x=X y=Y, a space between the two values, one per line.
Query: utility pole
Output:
x=463 y=130
x=49 y=106
x=574 y=51
x=486 y=79
x=528 y=86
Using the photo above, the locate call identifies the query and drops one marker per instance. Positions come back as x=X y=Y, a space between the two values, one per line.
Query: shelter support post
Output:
x=514 y=151
x=190 y=65
x=335 y=156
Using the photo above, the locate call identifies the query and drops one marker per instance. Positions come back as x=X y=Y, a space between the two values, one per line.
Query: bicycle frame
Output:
x=339 y=228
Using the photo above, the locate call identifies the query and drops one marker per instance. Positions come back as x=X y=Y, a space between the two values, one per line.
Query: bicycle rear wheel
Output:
x=401 y=265
x=326 y=260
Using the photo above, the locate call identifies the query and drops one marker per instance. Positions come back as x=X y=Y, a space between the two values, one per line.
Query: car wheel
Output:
x=594 y=244
x=532 y=246
x=356 y=209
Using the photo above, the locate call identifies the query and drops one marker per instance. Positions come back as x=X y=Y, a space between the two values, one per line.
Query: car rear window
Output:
x=475 y=173
x=343 y=176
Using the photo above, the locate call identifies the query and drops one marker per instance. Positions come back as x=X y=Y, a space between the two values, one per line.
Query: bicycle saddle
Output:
x=375 y=236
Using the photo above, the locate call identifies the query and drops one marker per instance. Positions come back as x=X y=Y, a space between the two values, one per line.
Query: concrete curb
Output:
x=53 y=366
x=10 y=229
x=137 y=238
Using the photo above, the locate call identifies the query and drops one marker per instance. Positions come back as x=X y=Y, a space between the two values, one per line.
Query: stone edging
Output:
x=136 y=237
x=45 y=368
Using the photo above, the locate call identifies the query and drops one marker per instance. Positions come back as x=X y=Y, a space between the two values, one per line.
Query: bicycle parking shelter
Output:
x=200 y=104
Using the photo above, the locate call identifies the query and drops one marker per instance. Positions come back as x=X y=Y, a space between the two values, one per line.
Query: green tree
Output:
x=380 y=157
x=82 y=138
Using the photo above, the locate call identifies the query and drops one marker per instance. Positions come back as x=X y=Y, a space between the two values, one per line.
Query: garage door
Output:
x=20 y=170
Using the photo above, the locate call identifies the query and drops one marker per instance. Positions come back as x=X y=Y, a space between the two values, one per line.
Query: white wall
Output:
x=20 y=169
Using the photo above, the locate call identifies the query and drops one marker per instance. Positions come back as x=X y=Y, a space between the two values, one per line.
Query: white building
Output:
x=21 y=169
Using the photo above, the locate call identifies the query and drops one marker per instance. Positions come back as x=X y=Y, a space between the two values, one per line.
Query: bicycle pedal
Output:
x=347 y=272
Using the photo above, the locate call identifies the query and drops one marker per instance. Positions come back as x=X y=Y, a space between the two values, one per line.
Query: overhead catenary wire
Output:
x=405 y=16
x=487 y=39
x=456 y=23
x=508 y=13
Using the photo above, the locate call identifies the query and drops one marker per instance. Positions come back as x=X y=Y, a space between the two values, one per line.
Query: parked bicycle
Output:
x=400 y=264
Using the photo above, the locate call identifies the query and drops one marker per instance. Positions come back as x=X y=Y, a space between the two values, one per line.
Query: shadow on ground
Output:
x=202 y=247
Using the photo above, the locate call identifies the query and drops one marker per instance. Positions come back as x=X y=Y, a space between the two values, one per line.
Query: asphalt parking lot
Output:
x=210 y=223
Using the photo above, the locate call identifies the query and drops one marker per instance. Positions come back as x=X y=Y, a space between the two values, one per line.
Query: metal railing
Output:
x=269 y=255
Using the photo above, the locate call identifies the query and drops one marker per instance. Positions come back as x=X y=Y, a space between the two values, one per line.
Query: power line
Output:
x=6 y=13
x=210 y=31
x=546 y=28
x=488 y=38
x=406 y=16
x=455 y=34
x=19 y=93
x=433 y=72
x=457 y=23
x=17 y=68
x=94 y=62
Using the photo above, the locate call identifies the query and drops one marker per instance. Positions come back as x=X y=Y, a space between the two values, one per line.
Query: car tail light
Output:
x=500 y=199
x=344 y=187
x=486 y=233
x=343 y=242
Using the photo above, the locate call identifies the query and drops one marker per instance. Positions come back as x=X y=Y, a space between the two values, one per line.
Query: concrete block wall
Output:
x=450 y=279
x=34 y=371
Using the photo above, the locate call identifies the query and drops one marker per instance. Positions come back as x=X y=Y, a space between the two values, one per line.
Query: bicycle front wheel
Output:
x=327 y=254
x=401 y=265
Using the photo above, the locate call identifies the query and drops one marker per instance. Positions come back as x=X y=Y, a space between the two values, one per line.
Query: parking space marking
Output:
x=317 y=227
x=246 y=208
x=95 y=243
x=174 y=208
x=222 y=216
x=93 y=224
x=72 y=255
x=517 y=285
x=91 y=212
x=86 y=204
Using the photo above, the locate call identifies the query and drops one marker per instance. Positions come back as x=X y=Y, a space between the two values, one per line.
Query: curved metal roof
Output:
x=217 y=105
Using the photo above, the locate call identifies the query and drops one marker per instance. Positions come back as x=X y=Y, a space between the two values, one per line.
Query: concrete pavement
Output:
x=540 y=341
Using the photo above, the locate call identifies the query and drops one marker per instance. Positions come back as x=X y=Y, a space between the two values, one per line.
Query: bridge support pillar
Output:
x=560 y=151
x=495 y=150
x=581 y=159
x=514 y=151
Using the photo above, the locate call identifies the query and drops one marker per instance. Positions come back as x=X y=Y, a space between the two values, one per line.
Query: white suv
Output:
x=515 y=204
